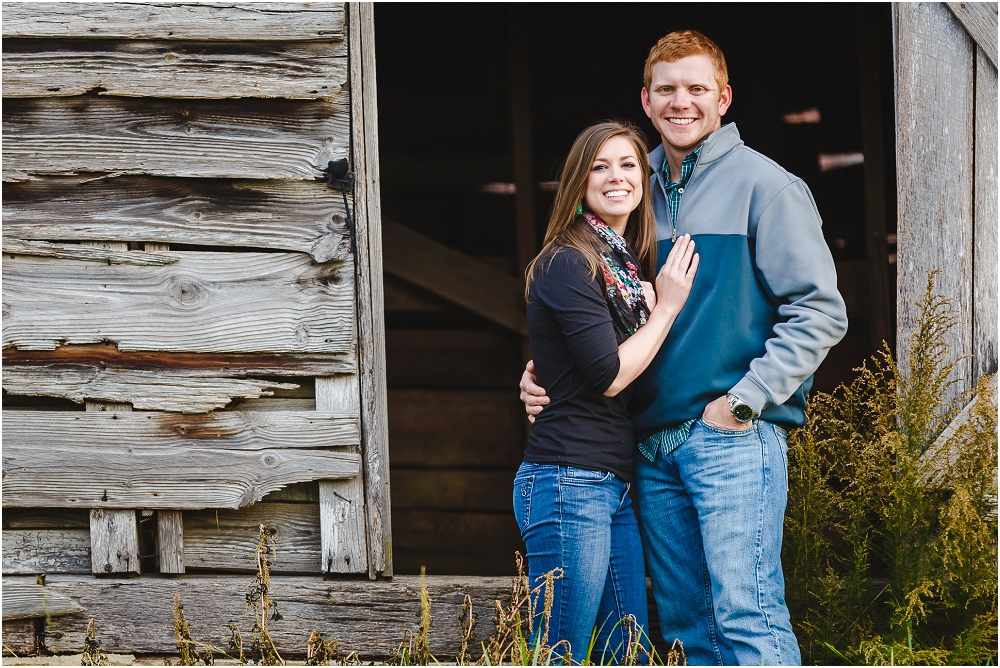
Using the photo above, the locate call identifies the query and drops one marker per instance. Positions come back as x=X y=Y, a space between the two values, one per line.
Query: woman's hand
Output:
x=673 y=283
x=649 y=294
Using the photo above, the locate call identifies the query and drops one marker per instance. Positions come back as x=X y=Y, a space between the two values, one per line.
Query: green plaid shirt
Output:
x=676 y=190
x=665 y=440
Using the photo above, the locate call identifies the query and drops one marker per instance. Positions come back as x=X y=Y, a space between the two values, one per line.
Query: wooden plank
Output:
x=178 y=390
x=518 y=25
x=237 y=364
x=78 y=252
x=170 y=540
x=32 y=551
x=443 y=358
x=46 y=518
x=205 y=302
x=271 y=21
x=479 y=428
x=166 y=460
x=192 y=70
x=224 y=540
x=371 y=318
x=466 y=281
x=452 y=489
x=24 y=597
x=876 y=271
x=366 y=617
x=934 y=107
x=980 y=20
x=240 y=139
x=20 y=638
x=462 y=532
x=984 y=339
x=279 y=215
x=114 y=541
x=342 y=521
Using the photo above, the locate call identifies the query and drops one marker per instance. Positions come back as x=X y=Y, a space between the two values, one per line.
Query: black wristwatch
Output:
x=742 y=412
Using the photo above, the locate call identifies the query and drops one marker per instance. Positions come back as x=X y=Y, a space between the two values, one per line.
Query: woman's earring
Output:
x=579 y=209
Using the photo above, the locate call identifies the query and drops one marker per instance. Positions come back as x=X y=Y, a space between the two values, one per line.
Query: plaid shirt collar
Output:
x=687 y=166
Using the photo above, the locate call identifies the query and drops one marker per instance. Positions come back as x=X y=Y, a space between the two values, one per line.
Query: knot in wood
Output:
x=187 y=291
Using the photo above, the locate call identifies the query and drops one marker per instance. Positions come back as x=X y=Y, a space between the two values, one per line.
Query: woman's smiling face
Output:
x=614 y=187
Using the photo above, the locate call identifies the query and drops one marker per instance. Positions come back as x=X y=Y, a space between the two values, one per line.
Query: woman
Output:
x=593 y=327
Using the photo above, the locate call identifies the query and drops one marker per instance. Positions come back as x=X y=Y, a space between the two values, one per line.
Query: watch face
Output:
x=742 y=413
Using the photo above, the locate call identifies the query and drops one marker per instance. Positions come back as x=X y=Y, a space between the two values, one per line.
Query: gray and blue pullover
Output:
x=764 y=309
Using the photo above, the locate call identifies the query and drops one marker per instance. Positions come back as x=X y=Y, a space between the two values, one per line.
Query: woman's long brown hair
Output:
x=566 y=231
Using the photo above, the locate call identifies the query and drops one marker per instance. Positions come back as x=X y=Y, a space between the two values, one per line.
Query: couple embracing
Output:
x=682 y=386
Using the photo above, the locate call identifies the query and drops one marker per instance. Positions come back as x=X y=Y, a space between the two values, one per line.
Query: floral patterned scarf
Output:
x=621 y=280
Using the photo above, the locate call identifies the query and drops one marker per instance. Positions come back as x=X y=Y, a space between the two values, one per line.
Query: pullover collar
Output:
x=718 y=144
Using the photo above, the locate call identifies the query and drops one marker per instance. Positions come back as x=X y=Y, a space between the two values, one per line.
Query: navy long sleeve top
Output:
x=575 y=349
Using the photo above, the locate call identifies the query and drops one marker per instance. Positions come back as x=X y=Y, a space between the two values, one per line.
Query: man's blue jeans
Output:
x=712 y=514
x=582 y=521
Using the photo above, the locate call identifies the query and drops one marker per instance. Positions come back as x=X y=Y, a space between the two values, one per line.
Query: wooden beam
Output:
x=36 y=551
x=877 y=269
x=984 y=339
x=25 y=597
x=191 y=70
x=278 y=139
x=85 y=253
x=518 y=25
x=341 y=518
x=236 y=364
x=170 y=540
x=177 y=390
x=298 y=216
x=940 y=448
x=178 y=21
x=466 y=281
x=980 y=20
x=204 y=302
x=367 y=617
x=166 y=460
x=371 y=318
x=935 y=111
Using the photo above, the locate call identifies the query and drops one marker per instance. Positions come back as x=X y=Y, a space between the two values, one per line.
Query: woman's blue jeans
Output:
x=582 y=522
x=712 y=516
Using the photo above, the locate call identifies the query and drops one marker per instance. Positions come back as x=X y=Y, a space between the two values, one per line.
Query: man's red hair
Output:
x=681 y=44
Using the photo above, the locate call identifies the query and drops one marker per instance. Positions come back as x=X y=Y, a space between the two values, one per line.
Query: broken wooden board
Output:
x=365 y=617
x=34 y=551
x=204 y=302
x=166 y=460
x=279 y=215
x=192 y=70
x=88 y=253
x=224 y=540
x=240 y=139
x=176 y=390
x=19 y=638
x=257 y=21
x=24 y=597
x=237 y=364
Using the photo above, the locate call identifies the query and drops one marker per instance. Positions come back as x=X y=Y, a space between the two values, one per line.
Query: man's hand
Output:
x=534 y=397
x=649 y=294
x=718 y=414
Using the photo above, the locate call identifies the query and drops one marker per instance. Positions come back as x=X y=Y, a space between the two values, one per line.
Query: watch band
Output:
x=742 y=412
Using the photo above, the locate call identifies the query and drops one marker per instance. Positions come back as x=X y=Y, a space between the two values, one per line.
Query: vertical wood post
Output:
x=341 y=502
x=934 y=160
x=984 y=331
x=170 y=540
x=370 y=314
x=869 y=57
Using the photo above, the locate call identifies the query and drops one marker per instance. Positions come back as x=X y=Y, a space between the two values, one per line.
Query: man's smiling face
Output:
x=684 y=102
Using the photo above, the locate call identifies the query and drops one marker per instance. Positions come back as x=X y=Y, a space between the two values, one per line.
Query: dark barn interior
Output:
x=476 y=101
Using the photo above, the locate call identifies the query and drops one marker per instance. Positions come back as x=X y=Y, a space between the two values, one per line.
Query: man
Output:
x=712 y=408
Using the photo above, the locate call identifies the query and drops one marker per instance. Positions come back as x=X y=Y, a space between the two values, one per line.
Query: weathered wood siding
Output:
x=174 y=260
x=946 y=97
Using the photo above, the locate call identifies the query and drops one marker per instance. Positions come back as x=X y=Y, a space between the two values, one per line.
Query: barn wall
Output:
x=192 y=344
x=947 y=184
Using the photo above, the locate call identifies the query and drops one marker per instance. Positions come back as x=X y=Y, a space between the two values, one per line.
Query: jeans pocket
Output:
x=727 y=432
x=522 y=500
x=574 y=475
